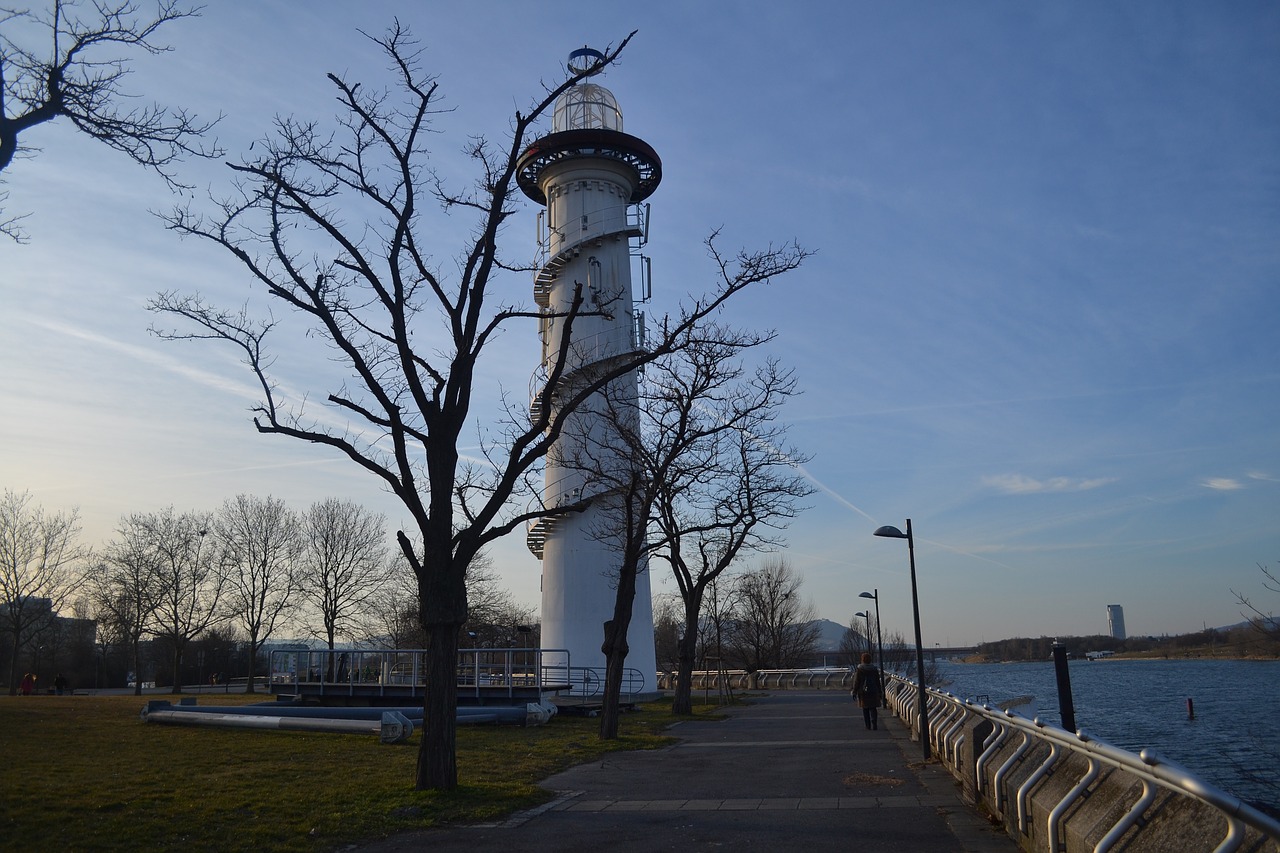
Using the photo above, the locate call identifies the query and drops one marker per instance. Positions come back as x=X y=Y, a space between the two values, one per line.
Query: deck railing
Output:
x=480 y=672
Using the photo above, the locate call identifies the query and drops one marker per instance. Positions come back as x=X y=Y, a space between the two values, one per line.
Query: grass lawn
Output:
x=85 y=773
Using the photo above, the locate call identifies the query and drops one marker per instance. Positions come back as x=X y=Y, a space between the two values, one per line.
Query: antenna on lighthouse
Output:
x=584 y=59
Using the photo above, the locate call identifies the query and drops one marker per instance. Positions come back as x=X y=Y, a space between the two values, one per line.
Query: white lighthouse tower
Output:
x=592 y=178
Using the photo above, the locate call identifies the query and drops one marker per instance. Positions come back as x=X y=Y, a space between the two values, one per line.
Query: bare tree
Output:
x=724 y=482
x=189 y=595
x=344 y=564
x=771 y=627
x=1264 y=623
x=39 y=560
x=1266 y=626
x=713 y=620
x=394 y=618
x=334 y=226
x=690 y=471
x=493 y=617
x=900 y=658
x=69 y=65
x=260 y=540
x=668 y=617
x=857 y=638
x=126 y=587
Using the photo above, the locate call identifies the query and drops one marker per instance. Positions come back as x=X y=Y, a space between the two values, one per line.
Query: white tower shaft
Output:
x=590 y=175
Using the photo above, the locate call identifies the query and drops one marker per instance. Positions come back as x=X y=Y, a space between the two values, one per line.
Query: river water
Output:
x=1233 y=742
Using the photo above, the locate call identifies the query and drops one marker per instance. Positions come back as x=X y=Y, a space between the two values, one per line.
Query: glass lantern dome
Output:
x=587 y=106
x=586 y=124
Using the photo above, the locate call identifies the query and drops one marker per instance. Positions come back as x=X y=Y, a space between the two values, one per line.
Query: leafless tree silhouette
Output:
x=72 y=65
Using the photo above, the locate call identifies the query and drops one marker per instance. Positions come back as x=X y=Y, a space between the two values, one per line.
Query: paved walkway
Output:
x=792 y=770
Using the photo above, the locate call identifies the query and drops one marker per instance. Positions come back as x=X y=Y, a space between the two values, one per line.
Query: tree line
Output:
x=1258 y=637
x=219 y=583
x=171 y=588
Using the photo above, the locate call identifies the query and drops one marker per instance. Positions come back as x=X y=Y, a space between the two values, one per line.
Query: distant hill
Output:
x=829 y=634
x=1269 y=624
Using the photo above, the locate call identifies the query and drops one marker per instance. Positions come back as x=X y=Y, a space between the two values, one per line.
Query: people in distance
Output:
x=867 y=689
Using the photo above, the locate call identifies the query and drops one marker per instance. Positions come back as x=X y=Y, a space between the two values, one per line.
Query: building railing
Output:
x=480 y=672
x=587 y=682
x=1041 y=780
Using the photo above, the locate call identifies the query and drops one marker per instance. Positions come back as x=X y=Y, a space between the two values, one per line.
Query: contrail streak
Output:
x=837 y=497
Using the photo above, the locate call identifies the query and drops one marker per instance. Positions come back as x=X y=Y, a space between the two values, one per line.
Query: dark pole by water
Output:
x=922 y=697
x=1066 y=705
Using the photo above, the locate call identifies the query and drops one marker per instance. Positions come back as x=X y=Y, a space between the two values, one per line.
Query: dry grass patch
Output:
x=83 y=772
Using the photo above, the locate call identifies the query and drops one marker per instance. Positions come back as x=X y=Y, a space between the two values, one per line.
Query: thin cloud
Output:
x=1222 y=484
x=142 y=354
x=1020 y=484
x=1259 y=475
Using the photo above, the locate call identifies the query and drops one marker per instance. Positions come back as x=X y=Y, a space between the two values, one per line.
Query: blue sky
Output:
x=1041 y=320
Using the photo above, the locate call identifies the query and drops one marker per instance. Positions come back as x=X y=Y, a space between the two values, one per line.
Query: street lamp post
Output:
x=891 y=532
x=865 y=615
x=879 y=639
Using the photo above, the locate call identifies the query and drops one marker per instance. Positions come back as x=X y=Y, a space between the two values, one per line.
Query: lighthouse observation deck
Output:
x=586 y=123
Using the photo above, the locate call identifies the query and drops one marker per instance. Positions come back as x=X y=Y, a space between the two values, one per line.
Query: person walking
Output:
x=28 y=684
x=867 y=689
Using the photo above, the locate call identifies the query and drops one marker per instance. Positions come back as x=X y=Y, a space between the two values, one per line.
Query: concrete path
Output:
x=794 y=770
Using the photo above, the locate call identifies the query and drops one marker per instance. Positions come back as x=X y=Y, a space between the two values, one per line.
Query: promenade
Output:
x=793 y=770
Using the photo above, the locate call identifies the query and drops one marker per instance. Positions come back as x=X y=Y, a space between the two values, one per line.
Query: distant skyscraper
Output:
x=1115 y=621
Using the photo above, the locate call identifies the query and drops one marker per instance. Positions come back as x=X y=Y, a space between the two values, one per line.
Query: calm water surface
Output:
x=1135 y=704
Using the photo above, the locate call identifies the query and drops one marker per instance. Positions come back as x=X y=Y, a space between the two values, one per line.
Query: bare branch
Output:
x=77 y=74
x=1263 y=622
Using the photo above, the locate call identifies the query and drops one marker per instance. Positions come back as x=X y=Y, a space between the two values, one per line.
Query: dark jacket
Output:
x=867 y=687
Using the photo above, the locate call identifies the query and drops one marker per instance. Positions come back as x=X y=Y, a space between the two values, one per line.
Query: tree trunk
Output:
x=682 y=703
x=13 y=666
x=615 y=646
x=136 y=658
x=177 y=670
x=437 y=756
x=615 y=650
x=253 y=662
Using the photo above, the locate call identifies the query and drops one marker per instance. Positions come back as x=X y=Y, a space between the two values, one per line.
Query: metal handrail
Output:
x=480 y=671
x=586 y=682
x=1148 y=767
x=950 y=716
x=573 y=236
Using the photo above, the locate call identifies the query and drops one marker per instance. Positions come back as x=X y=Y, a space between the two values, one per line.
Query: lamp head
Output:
x=865 y=595
x=863 y=614
x=890 y=532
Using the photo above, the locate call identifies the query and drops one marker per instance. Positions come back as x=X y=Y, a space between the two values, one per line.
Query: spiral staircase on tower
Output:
x=635 y=231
